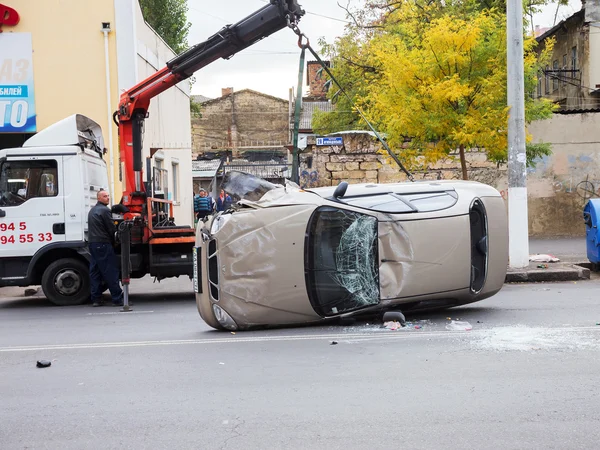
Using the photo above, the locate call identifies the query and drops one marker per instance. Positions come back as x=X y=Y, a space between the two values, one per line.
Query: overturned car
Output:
x=285 y=255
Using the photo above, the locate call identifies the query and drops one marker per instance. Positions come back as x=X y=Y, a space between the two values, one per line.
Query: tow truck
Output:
x=43 y=227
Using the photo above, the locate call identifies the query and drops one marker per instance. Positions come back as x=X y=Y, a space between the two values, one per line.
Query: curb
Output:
x=554 y=272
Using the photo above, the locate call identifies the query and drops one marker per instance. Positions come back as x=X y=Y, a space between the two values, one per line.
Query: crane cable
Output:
x=301 y=35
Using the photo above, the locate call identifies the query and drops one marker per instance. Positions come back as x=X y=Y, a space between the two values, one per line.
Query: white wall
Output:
x=168 y=126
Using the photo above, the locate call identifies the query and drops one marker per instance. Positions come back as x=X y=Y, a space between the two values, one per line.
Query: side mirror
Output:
x=340 y=191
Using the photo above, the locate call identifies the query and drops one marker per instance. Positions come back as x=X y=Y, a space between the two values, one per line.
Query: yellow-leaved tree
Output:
x=437 y=83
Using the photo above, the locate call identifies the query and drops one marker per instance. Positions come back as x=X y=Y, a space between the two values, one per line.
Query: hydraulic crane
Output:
x=156 y=245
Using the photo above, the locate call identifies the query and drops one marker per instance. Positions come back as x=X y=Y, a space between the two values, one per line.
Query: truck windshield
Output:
x=341 y=261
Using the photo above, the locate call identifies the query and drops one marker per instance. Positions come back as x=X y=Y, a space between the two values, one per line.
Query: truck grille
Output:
x=213 y=270
x=479 y=245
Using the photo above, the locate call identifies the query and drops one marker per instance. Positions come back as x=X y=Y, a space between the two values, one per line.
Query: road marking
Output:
x=114 y=313
x=381 y=335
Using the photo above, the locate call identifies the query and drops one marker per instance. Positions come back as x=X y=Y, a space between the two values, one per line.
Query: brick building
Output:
x=241 y=121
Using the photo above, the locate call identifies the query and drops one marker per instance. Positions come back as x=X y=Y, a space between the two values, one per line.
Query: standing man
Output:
x=223 y=201
x=203 y=205
x=103 y=266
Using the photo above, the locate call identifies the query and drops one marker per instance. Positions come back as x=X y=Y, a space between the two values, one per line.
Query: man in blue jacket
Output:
x=202 y=205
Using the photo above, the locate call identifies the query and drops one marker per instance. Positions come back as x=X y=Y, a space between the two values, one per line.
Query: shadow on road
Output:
x=152 y=298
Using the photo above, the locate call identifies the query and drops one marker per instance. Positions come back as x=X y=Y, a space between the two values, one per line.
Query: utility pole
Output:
x=518 y=224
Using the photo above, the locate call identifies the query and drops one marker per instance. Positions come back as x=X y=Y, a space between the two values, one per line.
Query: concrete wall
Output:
x=257 y=119
x=560 y=184
x=558 y=187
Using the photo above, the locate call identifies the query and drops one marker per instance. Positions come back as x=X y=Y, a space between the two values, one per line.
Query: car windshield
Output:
x=342 y=272
x=246 y=186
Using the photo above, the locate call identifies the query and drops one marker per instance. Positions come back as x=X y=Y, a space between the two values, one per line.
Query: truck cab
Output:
x=47 y=188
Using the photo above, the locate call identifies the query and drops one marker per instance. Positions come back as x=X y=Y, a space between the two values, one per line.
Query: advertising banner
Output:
x=17 y=101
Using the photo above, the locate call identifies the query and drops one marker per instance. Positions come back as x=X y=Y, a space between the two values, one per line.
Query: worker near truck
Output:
x=103 y=263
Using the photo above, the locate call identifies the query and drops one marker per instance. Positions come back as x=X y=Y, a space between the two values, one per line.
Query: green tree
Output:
x=169 y=20
x=436 y=80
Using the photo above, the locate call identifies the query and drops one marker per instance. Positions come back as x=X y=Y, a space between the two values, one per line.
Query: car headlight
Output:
x=219 y=222
x=224 y=319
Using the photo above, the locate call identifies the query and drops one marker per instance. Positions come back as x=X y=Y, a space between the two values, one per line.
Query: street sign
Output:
x=330 y=141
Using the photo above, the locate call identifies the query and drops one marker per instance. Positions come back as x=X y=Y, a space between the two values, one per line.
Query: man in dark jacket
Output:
x=103 y=265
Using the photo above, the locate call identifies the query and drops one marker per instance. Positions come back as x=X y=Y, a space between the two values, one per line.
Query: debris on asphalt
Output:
x=29 y=292
x=542 y=266
x=393 y=325
x=543 y=258
x=333 y=343
x=394 y=316
x=222 y=363
x=233 y=332
x=457 y=325
x=418 y=327
x=43 y=363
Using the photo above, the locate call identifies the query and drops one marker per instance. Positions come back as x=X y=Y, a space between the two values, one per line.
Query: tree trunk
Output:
x=463 y=162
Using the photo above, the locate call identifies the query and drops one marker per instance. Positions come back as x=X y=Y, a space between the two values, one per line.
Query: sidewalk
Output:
x=574 y=264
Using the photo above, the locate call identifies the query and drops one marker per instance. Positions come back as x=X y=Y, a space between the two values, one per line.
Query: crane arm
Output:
x=134 y=103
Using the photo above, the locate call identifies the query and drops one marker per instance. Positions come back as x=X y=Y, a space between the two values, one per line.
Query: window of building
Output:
x=564 y=67
x=547 y=80
x=24 y=180
x=175 y=170
x=555 y=75
x=539 y=85
x=573 y=61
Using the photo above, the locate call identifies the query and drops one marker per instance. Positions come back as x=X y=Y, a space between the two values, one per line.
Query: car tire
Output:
x=66 y=282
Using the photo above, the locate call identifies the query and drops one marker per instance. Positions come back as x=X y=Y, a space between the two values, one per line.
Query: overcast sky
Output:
x=271 y=65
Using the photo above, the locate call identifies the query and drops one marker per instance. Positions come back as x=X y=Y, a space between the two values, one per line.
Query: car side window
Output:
x=23 y=180
x=432 y=201
x=404 y=203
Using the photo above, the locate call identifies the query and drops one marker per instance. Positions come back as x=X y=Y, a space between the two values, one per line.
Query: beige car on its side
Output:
x=285 y=255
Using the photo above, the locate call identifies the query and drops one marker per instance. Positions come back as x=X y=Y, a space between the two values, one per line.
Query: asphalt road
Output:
x=524 y=377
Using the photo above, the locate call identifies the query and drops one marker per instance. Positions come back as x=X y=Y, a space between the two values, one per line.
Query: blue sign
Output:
x=17 y=100
x=330 y=141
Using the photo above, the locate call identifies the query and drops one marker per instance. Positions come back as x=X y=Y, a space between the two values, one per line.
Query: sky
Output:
x=271 y=65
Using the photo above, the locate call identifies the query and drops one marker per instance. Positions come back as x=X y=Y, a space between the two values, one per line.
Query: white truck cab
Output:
x=47 y=188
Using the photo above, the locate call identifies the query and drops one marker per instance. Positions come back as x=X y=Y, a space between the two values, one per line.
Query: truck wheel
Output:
x=66 y=282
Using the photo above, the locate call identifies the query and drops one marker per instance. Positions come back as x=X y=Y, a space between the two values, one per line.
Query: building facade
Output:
x=572 y=77
x=79 y=57
x=240 y=121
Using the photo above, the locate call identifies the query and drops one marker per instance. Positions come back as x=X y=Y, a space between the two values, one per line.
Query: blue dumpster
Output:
x=591 y=216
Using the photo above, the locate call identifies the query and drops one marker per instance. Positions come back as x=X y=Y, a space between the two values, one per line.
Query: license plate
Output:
x=197 y=261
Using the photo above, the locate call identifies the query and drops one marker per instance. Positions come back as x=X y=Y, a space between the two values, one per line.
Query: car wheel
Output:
x=66 y=282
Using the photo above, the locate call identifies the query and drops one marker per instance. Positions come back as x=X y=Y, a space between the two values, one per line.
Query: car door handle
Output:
x=2 y=213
